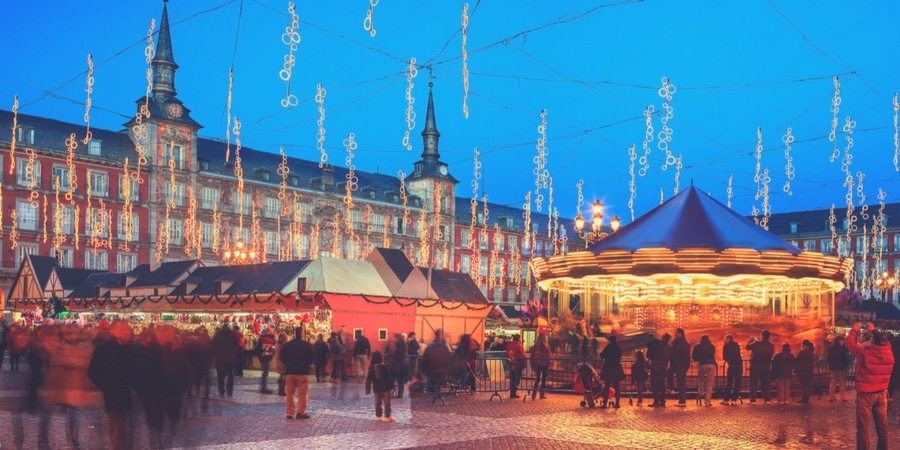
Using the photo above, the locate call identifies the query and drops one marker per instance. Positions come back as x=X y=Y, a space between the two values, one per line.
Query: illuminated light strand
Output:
x=864 y=263
x=217 y=226
x=465 y=59
x=336 y=232
x=89 y=88
x=754 y=212
x=58 y=210
x=483 y=236
x=239 y=174
x=351 y=184
x=540 y=162
x=320 y=134
x=170 y=203
x=550 y=207
x=756 y=175
x=730 y=191
x=228 y=115
x=766 y=207
x=563 y=238
x=678 y=167
x=662 y=196
x=648 y=138
x=632 y=187
x=148 y=58
x=864 y=208
x=283 y=171
x=190 y=223
x=127 y=209
x=788 y=141
x=12 y=141
x=76 y=218
x=368 y=212
x=424 y=252
x=846 y=164
x=314 y=239
x=404 y=199
x=473 y=202
x=256 y=231
x=44 y=237
x=14 y=229
x=896 y=134
x=72 y=182
x=526 y=236
x=832 y=221
x=557 y=249
x=494 y=269
x=665 y=135
x=369 y=21
x=411 y=73
x=31 y=178
x=160 y=231
x=297 y=227
x=835 y=108
x=291 y=38
x=879 y=243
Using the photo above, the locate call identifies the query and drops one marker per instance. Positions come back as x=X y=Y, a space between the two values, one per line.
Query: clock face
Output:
x=174 y=110
x=443 y=170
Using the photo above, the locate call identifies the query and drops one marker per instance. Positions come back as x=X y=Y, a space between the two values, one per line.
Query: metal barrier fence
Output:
x=492 y=375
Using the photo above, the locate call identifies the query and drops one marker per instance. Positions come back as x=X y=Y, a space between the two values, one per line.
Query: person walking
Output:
x=705 y=355
x=241 y=351
x=782 y=371
x=437 y=361
x=412 y=349
x=761 y=353
x=265 y=350
x=279 y=365
x=321 y=349
x=611 y=373
x=225 y=347
x=465 y=357
x=361 y=351
x=540 y=365
x=67 y=383
x=297 y=356
x=659 y=352
x=112 y=369
x=837 y=367
x=639 y=375
x=515 y=353
x=337 y=353
x=680 y=363
x=4 y=330
x=803 y=367
x=399 y=362
x=731 y=353
x=380 y=381
x=874 y=362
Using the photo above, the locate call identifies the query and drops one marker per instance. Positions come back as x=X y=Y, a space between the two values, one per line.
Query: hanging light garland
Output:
x=424 y=251
x=550 y=208
x=411 y=73
x=896 y=134
x=217 y=226
x=832 y=221
x=495 y=277
x=465 y=59
x=14 y=229
x=44 y=235
x=31 y=178
x=369 y=21
x=473 y=202
x=228 y=114
x=239 y=174
x=127 y=209
x=76 y=218
x=404 y=199
x=766 y=207
x=291 y=38
x=526 y=236
x=320 y=123
x=863 y=207
x=351 y=184
x=190 y=222
x=730 y=191
x=557 y=247
x=541 y=174
x=72 y=182
x=140 y=130
x=757 y=177
x=89 y=88
x=336 y=233
x=666 y=92
x=835 y=108
x=314 y=239
x=58 y=210
x=483 y=237
x=385 y=237
x=368 y=212
x=677 y=173
x=283 y=171
x=631 y=183
x=12 y=141
x=648 y=138
x=788 y=141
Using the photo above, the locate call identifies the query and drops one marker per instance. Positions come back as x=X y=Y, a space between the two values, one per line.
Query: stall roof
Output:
x=342 y=276
x=455 y=286
x=269 y=277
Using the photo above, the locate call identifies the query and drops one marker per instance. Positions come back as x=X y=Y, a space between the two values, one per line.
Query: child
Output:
x=639 y=375
x=380 y=381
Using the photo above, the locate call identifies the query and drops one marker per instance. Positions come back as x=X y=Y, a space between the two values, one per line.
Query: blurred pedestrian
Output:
x=200 y=356
x=4 y=330
x=731 y=353
x=279 y=365
x=659 y=352
x=399 y=362
x=361 y=351
x=540 y=364
x=515 y=354
x=265 y=350
x=168 y=381
x=17 y=339
x=297 y=357
x=337 y=353
x=437 y=361
x=680 y=363
x=322 y=352
x=803 y=366
x=761 y=353
x=611 y=373
x=412 y=349
x=225 y=347
x=112 y=369
x=874 y=362
x=639 y=375
x=67 y=384
x=380 y=381
x=464 y=359
x=782 y=371
x=705 y=355
x=241 y=351
x=837 y=367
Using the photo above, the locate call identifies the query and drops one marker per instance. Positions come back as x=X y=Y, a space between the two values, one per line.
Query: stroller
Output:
x=587 y=380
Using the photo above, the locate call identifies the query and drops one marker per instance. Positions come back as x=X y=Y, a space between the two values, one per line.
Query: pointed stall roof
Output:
x=43 y=268
x=165 y=275
x=454 y=286
x=247 y=279
x=88 y=287
x=341 y=276
x=693 y=220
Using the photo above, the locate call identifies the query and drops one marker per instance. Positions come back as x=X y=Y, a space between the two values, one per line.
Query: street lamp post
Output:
x=886 y=283
x=596 y=232
x=238 y=255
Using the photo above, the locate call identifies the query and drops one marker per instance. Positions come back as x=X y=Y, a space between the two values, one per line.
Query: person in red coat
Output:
x=874 y=363
x=515 y=353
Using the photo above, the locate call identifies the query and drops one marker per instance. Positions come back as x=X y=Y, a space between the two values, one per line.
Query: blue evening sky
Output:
x=594 y=66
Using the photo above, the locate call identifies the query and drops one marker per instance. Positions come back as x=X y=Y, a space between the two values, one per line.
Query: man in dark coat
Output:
x=761 y=353
x=225 y=345
x=412 y=349
x=611 y=373
x=437 y=361
x=659 y=352
x=803 y=366
x=837 y=365
x=265 y=350
x=167 y=380
x=400 y=362
x=680 y=363
x=361 y=352
x=731 y=353
x=297 y=356
x=111 y=369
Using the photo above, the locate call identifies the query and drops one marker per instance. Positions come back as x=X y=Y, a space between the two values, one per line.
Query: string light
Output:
x=89 y=88
x=283 y=171
x=12 y=141
x=320 y=134
x=730 y=191
x=256 y=232
x=367 y=222
x=557 y=249
x=239 y=174
x=58 y=209
x=385 y=237
x=404 y=199
x=411 y=73
x=483 y=237
x=631 y=184
x=465 y=59
x=190 y=224
x=228 y=114
x=76 y=218
x=44 y=240
x=494 y=269
x=665 y=135
x=368 y=22
x=541 y=173
x=864 y=208
x=756 y=175
x=336 y=233
x=127 y=208
x=550 y=207
x=832 y=221
x=766 y=207
x=314 y=239
x=648 y=138
x=677 y=173
x=896 y=134
x=835 y=108
x=14 y=230
x=291 y=38
x=351 y=184
x=424 y=251
x=31 y=177
x=526 y=236
x=160 y=231
x=788 y=141
x=72 y=182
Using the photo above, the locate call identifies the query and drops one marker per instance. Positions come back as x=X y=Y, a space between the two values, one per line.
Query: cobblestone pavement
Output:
x=343 y=418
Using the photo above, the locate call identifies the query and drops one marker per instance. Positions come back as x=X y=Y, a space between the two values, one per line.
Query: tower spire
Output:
x=430 y=135
x=164 y=60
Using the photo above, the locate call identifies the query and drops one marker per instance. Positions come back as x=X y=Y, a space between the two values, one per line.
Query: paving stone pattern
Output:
x=342 y=417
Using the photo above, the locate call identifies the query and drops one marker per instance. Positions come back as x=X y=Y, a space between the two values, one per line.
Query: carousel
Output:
x=694 y=263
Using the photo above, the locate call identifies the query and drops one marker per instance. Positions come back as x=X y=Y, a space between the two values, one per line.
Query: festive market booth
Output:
x=695 y=263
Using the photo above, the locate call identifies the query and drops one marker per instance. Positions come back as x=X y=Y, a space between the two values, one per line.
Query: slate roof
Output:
x=71 y=278
x=882 y=310
x=693 y=219
x=397 y=262
x=262 y=278
x=511 y=312
x=454 y=286
x=88 y=287
x=516 y=214
x=43 y=266
x=165 y=275
x=50 y=135
x=816 y=222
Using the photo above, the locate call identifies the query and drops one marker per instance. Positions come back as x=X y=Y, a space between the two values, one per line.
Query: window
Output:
x=826 y=246
x=23 y=250
x=483 y=266
x=176 y=154
x=206 y=235
x=483 y=240
x=135 y=226
x=208 y=197
x=61 y=173
x=176 y=197
x=67 y=219
x=526 y=246
x=176 y=231
x=99 y=183
x=465 y=262
x=94 y=220
x=25 y=135
x=94 y=147
x=271 y=207
x=809 y=245
x=525 y=271
x=126 y=262
x=444 y=208
x=498 y=269
x=512 y=241
x=510 y=293
x=881 y=244
x=539 y=247
x=303 y=209
x=506 y=222
x=398 y=226
x=861 y=243
x=843 y=247
x=28 y=215
x=465 y=238
x=204 y=164
x=294 y=180
x=134 y=188
x=356 y=220
x=377 y=223
x=303 y=251
x=442 y=233
x=95 y=260
x=25 y=177
x=65 y=256
x=500 y=243
x=272 y=242
x=497 y=294
x=246 y=204
x=897 y=243
x=794 y=226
